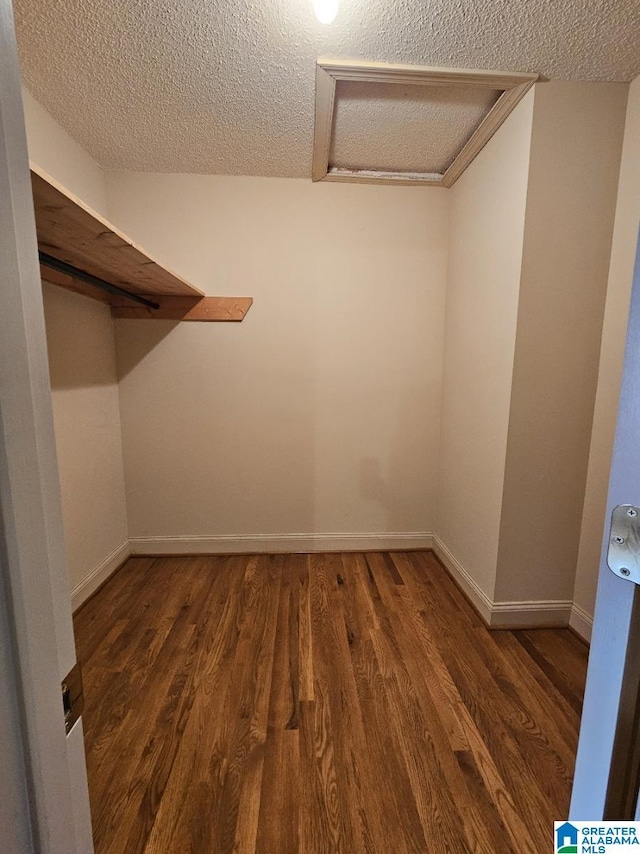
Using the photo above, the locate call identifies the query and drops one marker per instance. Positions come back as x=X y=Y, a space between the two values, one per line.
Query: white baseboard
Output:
x=503 y=614
x=472 y=591
x=539 y=612
x=280 y=543
x=581 y=622
x=81 y=592
x=495 y=614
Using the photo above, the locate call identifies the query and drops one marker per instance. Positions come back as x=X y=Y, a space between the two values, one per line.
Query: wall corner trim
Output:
x=99 y=574
x=503 y=615
x=531 y=614
x=581 y=622
x=280 y=543
x=474 y=593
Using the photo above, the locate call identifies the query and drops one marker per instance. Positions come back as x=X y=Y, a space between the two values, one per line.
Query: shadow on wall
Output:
x=149 y=333
x=80 y=340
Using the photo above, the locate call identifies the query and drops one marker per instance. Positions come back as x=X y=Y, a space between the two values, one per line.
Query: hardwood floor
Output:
x=320 y=703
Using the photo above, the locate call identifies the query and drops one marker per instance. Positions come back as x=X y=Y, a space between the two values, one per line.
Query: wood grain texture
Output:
x=320 y=703
x=71 y=231
x=185 y=308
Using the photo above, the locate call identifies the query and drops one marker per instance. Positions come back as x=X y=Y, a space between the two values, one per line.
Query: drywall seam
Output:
x=99 y=574
x=280 y=543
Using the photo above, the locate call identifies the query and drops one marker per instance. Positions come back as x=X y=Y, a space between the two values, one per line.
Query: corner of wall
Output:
x=486 y=232
x=577 y=132
x=99 y=574
x=623 y=248
x=80 y=337
x=60 y=156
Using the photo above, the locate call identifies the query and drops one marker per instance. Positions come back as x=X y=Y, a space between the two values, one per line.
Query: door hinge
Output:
x=623 y=556
x=72 y=697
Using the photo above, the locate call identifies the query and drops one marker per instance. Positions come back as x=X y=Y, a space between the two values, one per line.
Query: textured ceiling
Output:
x=389 y=127
x=227 y=86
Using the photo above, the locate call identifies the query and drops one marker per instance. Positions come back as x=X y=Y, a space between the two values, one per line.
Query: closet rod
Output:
x=70 y=270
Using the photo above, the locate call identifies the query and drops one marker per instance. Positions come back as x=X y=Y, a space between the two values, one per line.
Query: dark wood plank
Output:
x=391 y=794
x=516 y=739
x=278 y=820
x=319 y=703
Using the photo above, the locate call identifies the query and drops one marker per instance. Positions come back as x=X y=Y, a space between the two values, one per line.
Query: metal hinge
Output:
x=623 y=556
x=72 y=697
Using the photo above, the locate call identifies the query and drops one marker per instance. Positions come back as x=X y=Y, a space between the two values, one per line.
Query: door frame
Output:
x=33 y=566
x=32 y=553
x=605 y=785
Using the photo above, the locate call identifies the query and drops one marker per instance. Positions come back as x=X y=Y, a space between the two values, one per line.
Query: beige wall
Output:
x=485 y=253
x=83 y=382
x=530 y=236
x=320 y=412
x=573 y=175
x=86 y=415
x=52 y=149
x=625 y=235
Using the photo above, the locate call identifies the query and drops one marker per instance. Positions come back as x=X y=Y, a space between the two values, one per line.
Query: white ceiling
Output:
x=389 y=127
x=227 y=86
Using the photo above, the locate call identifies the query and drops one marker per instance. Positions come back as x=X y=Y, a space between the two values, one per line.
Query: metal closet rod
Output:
x=70 y=270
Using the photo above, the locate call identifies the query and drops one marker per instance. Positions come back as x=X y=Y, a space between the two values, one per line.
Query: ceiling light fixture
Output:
x=325 y=10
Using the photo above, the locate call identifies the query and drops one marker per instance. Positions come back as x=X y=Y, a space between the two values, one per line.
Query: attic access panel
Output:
x=445 y=118
x=409 y=129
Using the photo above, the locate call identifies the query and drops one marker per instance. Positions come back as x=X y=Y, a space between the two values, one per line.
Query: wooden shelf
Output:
x=70 y=231
x=185 y=308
